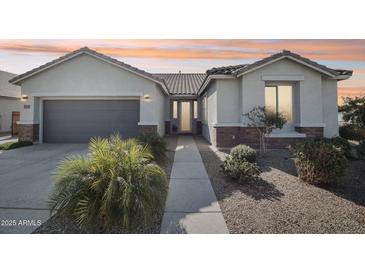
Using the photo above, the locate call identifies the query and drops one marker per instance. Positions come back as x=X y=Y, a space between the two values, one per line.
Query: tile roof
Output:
x=344 y=72
x=182 y=83
x=226 y=70
x=7 y=89
x=236 y=70
x=287 y=53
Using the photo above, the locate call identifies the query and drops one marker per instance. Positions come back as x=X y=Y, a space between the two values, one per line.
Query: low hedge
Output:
x=240 y=170
x=342 y=144
x=319 y=162
x=156 y=144
x=13 y=145
x=361 y=148
x=240 y=164
x=243 y=152
x=349 y=132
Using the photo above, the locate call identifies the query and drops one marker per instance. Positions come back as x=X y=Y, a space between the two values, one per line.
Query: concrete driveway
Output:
x=26 y=183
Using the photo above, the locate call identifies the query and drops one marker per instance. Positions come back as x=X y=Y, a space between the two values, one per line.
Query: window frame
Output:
x=175 y=112
x=276 y=96
x=204 y=108
x=195 y=109
x=276 y=86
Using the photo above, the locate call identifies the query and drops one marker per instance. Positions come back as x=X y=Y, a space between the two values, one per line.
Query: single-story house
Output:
x=85 y=94
x=10 y=104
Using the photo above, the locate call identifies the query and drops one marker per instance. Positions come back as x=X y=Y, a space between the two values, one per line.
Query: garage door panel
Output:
x=77 y=121
x=84 y=117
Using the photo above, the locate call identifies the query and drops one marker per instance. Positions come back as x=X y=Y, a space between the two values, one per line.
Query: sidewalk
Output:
x=191 y=205
x=7 y=138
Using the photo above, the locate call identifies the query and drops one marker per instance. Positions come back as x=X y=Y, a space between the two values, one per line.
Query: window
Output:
x=280 y=99
x=174 y=109
x=195 y=109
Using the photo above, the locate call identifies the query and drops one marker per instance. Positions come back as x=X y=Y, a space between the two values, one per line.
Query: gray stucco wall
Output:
x=310 y=89
x=314 y=98
x=211 y=112
x=229 y=109
x=88 y=77
x=160 y=111
x=330 y=109
x=7 y=106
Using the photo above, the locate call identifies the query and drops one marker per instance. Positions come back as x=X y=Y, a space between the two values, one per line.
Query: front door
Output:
x=185 y=123
x=14 y=119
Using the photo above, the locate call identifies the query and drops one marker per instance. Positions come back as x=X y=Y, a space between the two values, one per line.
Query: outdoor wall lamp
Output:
x=24 y=98
x=146 y=97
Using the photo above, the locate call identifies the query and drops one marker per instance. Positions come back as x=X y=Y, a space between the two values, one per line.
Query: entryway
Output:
x=184 y=116
x=185 y=121
x=15 y=117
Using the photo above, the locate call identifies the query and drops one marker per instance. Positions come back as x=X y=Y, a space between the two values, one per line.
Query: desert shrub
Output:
x=240 y=164
x=240 y=170
x=349 y=132
x=342 y=144
x=243 y=152
x=319 y=162
x=13 y=145
x=117 y=185
x=156 y=144
x=361 y=148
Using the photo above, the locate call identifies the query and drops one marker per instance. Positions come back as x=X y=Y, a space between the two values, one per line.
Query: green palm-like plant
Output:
x=156 y=144
x=117 y=185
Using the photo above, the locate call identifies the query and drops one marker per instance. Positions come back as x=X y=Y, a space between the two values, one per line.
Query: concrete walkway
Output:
x=191 y=205
x=8 y=138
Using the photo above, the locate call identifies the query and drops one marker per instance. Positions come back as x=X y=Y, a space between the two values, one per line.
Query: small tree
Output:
x=353 y=110
x=265 y=122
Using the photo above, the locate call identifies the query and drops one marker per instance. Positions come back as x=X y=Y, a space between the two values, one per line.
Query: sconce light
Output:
x=146 y=97
x=24 y=98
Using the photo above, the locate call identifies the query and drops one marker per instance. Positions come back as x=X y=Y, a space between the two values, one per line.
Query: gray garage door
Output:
x=77 y=121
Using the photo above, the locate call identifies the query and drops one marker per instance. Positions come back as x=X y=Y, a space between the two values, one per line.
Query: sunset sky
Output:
x=18 y=56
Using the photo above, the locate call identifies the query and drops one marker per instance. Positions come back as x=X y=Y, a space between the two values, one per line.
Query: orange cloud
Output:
x=354 y=83
x=180 y=53
x=214 y=49
x=349 y=50
x=359 y=71
x=141 y=52
x=349 y=92
x=26 y=47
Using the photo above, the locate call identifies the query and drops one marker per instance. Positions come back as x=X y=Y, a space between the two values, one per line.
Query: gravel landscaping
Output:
x=61 y=225
x=281 y=203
